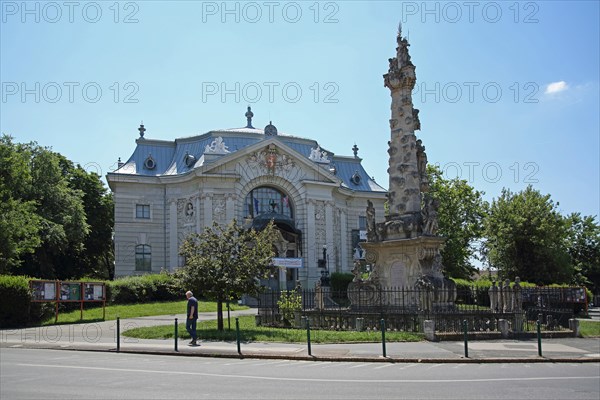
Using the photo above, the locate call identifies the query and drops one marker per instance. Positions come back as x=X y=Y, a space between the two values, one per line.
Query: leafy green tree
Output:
x=48 y=210
x=63 y=225
x=584 y=249
x=527 y=237
x=97 y=259
x=225 y=262
x=460 y=214
x=19 y=230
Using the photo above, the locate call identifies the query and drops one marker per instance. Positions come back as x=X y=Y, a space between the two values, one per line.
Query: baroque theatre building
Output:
x=168 y=189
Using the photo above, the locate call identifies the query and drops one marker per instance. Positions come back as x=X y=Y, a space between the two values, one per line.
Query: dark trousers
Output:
x=190 y=326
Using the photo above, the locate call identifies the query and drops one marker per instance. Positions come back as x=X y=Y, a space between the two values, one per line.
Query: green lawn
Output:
x=134 y=310
x=249 y=332
x=589 y=328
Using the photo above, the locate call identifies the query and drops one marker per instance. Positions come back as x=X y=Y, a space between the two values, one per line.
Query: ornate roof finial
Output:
x=355 y=150
x=249 y=114
x=142 y=129
x=400 y=29
x=270 y=130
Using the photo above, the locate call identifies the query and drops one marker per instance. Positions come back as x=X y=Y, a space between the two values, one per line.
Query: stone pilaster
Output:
x=229 y=207
x=207 y=200
x=173 y=242
x=331 y=246
x=344 y=241
x=311 y=255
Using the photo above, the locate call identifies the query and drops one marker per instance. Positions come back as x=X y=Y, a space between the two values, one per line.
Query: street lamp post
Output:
x=325 y=263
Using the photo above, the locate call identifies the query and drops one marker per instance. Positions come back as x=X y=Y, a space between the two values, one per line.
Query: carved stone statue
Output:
x=421 y=159
x=430 y=217
x=318 y=155
x=356 y=271
x=216 y=147
x=417 y=121
x=517 y=295
x=507 y=296
x=403 y=56
x=493 y=292
x=393 y=65
x=371 y=233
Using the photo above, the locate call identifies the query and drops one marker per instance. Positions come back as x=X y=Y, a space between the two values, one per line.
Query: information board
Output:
x=61 y=291
x=43 y=290
x=70 y=291
x=93 y=291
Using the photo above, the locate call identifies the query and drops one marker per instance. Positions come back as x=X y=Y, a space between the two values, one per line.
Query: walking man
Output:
x=192 y=316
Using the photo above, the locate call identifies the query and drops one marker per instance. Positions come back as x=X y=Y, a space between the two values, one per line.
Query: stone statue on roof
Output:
x=318 y=155
x=216 y=147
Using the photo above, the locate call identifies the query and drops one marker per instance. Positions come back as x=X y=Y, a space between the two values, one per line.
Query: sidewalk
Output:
x=101 y=336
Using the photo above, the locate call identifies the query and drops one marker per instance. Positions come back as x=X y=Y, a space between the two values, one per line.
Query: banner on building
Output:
x=287 y=262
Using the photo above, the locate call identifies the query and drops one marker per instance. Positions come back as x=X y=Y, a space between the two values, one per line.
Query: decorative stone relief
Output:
x=320 y=223
x=261 y=163
x=219 y=208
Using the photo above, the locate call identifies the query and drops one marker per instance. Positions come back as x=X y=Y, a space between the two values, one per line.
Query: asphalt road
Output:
x=54 y=374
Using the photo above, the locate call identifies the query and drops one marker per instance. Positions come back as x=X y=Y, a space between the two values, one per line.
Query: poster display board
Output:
x=43 y=290
x=93 y=291
x=68 y=292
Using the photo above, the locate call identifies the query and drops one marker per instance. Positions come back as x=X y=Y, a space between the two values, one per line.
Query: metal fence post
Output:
x=118 y=334
x=383 y=336
x=176 y=334
x=237 y=334
x=466 y=338
x=308 y=335
x=539 y=338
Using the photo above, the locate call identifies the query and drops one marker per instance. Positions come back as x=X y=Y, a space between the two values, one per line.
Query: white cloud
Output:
x=556 y=87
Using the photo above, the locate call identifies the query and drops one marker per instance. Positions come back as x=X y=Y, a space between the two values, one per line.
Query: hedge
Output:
x=143 y=288
x=16 y=307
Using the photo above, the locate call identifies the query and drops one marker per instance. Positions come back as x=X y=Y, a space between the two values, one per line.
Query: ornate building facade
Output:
x=169 y=189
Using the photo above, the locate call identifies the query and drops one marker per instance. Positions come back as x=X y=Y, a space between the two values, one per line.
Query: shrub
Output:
x=142 y=289
x=340 y=281
x=16 y=301
x=289 y=303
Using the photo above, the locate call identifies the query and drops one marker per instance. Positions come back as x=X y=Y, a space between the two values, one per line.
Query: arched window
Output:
x=143 y=257
x=267 y=199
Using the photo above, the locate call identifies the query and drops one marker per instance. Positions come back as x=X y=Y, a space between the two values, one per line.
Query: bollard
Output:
x=237 y=334
x=466 y=338
x=176 y=334
x=118 y=334
x=308 y=335
x=383 y=336
x=539 y=337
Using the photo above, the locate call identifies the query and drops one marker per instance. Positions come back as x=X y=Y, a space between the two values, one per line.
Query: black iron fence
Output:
x=406 y=309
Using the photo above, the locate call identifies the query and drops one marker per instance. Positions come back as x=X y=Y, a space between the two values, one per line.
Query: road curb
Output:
x=316 y=358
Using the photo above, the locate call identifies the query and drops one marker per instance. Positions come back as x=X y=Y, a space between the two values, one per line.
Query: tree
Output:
x=225 y=262
x=97 y=260
x=584 y=249
x=63 y=223
x=19 y=231
x=460 y=213
x=48 y=211
x=527 y=237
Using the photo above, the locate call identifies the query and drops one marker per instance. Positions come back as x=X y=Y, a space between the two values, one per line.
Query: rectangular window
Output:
x=362 y=223
x=143 y=258
x=142 y=211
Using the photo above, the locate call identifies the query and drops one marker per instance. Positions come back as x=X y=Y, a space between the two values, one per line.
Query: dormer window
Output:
x=150 y=163
x=355 y=178
x=189 y=160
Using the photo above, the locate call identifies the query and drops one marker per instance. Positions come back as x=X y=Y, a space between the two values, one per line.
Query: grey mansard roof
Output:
x=169 y=156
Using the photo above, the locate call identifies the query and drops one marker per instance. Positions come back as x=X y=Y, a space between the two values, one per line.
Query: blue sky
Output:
x=508 y=91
